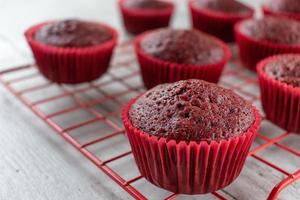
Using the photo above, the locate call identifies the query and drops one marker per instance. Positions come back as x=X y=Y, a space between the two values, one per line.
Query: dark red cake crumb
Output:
x=191 y=110
x=285 y=69
x=182 y=46
x=290 y=6
x=147 y=4
x=227 y=6
x=273 y=29
x=72 y=33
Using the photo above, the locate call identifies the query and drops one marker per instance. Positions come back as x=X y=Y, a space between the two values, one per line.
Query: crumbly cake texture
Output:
x=182 y=46
x=226 y=6
x=191 y=110
x=290 y=6
x=147 y=4
x=72 y=33
x=273 y=29
x=285 y=69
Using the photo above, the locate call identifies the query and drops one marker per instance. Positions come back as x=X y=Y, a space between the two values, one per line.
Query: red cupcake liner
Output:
x=267 y=11
x=155 y=71
x=140 y=20
x=252 y=51
x=189 y=168
x=216 y=23
x=71 y=65
x=280 y=101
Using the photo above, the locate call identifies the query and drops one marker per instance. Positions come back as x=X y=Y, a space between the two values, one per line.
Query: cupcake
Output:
x=143 y=15
x=72 y=51
x=260 y=38
x=285 y=8
x=279 y=78
x=191 y=136
x=169 y=55
x=217 y=17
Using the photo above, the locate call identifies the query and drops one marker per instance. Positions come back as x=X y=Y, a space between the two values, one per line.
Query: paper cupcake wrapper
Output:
x=252 y=51
x=280 y=101
x=140 y=20
x=268 y=11
x=215 y=23
x=71 y=65
x=189 y=168
x=155 y=71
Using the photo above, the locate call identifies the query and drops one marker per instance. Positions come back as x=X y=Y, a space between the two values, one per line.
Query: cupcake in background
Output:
x=142 y=15
x=217 y=17
x=260 y=38
x=284 y=8
x=279 y=78
x=169 y=55
x=191 y=136
x=72 y=51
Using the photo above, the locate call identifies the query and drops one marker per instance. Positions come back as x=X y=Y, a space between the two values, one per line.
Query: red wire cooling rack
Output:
x=88 y=116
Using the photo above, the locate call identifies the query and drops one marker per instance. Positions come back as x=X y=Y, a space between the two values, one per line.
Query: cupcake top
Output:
x=73 y=33
x=191 y=110
x=285 y=69
x=147 y=4
x=182 y=46
x=226 y=6
x=273 y=29
x=289 y=6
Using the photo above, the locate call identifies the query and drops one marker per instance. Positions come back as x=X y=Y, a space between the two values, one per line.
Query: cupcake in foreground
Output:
x=72 y=51
x=260 y=38
x=217 y=17
x=169 y=55
x=284 y=8
x=142 y=15
x=279 y=78
x=191 y=136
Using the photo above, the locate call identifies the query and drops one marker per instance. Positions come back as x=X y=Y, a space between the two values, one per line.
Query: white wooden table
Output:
x=35 y=163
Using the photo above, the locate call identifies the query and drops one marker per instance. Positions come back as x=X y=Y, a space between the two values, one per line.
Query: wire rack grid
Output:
x=88 y=117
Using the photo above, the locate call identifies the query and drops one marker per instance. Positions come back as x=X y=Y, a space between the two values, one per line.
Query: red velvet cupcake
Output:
x=217 y=17
x=260 y=38
x=191 y=136
x=169 y=55
x=72 y=51
x=284 y=8
x=143 y=15
x=279 y=78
